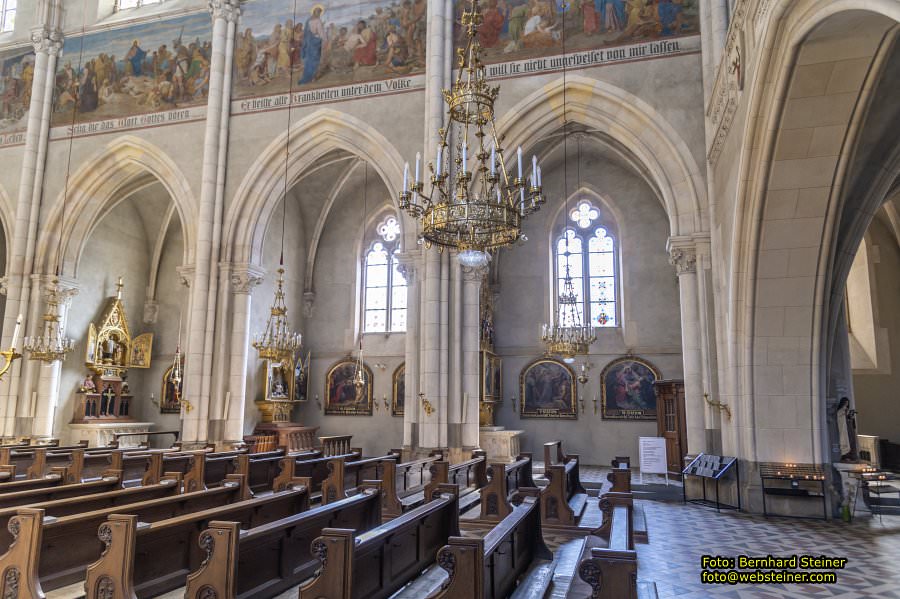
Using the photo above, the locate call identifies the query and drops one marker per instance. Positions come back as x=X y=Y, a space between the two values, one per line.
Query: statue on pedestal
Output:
x=846 y=423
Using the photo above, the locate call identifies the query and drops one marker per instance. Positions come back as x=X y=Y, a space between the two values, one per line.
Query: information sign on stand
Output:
x=652 y=451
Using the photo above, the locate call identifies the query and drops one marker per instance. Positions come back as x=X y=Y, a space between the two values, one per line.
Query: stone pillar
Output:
x=48 y=399
x=408 y=263
x=683 y=257
x=430 y=373
x=719 y=29
x=221 y=355
x=244 y=277
x=471 y=345
x=47 y=41
x=198 y=361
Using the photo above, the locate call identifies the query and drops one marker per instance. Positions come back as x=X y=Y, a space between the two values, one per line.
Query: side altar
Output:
x=104 y=403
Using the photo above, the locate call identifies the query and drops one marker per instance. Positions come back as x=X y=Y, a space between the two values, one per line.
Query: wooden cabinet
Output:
x=670 y=422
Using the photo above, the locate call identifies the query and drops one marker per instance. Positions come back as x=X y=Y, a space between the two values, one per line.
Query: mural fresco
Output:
x=329 y=44
x=144 y=68
x=16 y=74
x=520 y=29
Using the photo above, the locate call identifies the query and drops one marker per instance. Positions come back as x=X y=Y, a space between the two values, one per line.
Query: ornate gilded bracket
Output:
x=426 y=405
x=10 y=356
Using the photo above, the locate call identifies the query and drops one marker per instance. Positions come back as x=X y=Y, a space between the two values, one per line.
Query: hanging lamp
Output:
x=475 y=203
x=568 y=334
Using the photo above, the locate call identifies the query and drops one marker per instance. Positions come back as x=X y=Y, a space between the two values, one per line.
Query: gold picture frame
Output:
x=141 y=351
x=543 y=387
x=626 y=389
x=342 y=398
x=398 y=399
x=300 y=378
x=491 y=372
x=90 y=351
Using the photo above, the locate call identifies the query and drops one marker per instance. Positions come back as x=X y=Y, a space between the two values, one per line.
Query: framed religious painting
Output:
x=342 y=396
x=491 y=370
x=278 y=379
x=398 y=400
x=547 y=390
x=90 y=353
x=300 y=380
x=141 y=350
x=626 y=386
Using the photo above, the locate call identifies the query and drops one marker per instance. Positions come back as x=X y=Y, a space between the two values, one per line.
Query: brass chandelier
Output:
x=570 y=334
x=475 y=203
x=52 y=345
x=277 y=341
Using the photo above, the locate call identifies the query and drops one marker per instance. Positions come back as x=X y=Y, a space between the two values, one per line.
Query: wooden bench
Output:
x=336 y=445
x=316 y=470
x=564 y=498
x=345 y=478
x=167 y=487
x=620 y=483
x=149 y=560
x=489 y=567
x=470 y=476
x=610 y=572
x=404 y=484
x=377 y=563
x=266 y=560
x=67 y=545
x=503 y=485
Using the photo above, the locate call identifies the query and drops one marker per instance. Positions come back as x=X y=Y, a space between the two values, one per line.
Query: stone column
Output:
x=47 y=41
x=683 y=257
x=198 y=362
x=471 y=345
x=408 y=263
x=244 y=277
x=430 y=373
x=48 y=399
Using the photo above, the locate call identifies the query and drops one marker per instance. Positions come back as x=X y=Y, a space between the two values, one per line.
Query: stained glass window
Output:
x=384 y=300
x=588 y=252
x=126 y=4
x=7 y=15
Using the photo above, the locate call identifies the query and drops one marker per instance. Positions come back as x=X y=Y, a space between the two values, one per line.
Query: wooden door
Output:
x=670 y=422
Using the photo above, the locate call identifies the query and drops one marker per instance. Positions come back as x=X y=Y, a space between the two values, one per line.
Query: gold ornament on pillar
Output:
x=10 y=355
x=475 y=203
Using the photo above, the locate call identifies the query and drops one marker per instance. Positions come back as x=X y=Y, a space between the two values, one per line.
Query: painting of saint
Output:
x=547 y=390
x=627 y=389
x=342 y=395
x=328 y=45
x=491 y=369
x=141 y=350
x=521 y=29
x=16 y=74
x=399 y=398
x=137 y=69
x=301 y=377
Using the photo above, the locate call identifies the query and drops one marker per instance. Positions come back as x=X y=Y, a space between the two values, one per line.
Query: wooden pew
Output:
x=345 y=478
x=316 y=469
x=404 y=484
x=620 y=480
x=489 y=567
x=149 y=560
x=610 y=572
x=377 y=563
x=471 y=476
x=336 y=445
x=67 y=545
x=111 y=482
x=564 y=498
x=167 y=487
x=266 y=560
x=504 y=483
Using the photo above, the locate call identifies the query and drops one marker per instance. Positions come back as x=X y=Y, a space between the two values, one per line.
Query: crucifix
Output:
x=106 y=406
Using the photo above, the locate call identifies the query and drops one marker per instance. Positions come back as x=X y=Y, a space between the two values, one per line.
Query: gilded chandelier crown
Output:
x=277 y=341
x=475 y=204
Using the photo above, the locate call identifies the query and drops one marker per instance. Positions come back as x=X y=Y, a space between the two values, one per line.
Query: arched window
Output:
x=7 y=15
x=384 y=299
x=587 y=250
x=126 y=4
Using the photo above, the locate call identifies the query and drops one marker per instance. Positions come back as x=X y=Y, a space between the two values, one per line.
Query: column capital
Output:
x=684 y=259
x=47 y=41
x=408 y=264
x=66 y=287
x=244 y=277
x=186 y=274
x=230 y=10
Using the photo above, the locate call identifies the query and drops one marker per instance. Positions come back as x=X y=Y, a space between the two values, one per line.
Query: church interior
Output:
x=449 y=298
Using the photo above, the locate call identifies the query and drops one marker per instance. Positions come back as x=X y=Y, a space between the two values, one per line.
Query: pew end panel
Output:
x=611 y=574
x=21 y=561
x=217 y=575
x=110 y=577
